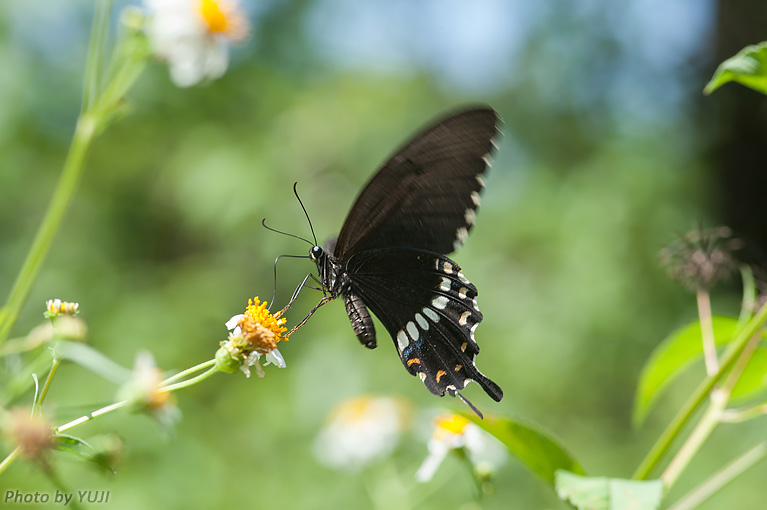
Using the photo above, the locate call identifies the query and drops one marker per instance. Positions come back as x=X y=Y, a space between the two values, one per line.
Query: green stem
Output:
x=73 y=166
x=668 y=436
x=88 y=417
x=707 y=331
x=721 y=478
x=9 y=459
x=47 y=384
x=188 y=371
x=190 y=382
x=698 y=436
x=94 y=64
x=712 y=417
x=743 y=414
x=85 y=131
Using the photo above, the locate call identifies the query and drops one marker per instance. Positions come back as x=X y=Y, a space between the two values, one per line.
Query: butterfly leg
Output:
x=323 y=301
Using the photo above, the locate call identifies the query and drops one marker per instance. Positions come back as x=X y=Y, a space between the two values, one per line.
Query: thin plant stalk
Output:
x=84 y=134
x=707 y=331
x=730 y=356
x=712 y=417
x=721 y=478
x=70 y=176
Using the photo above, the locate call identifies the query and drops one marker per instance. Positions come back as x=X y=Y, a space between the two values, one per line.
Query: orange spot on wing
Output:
x=458 y=367
x=414 y=360
x=440 y=374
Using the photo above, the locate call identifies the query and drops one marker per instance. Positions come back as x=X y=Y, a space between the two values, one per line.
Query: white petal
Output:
x=232 y=323
x=276 y=358
x=437 y=453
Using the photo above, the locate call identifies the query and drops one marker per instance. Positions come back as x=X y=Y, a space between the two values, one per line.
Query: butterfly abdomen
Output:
x=360 y=318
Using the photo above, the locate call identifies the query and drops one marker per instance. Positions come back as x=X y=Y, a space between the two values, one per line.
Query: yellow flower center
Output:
x=449 y=424
x=260 y=329
x=222 y=17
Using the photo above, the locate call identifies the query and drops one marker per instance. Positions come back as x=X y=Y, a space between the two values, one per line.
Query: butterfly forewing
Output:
x=429 y=308
x=390 y=254
x=426 y=195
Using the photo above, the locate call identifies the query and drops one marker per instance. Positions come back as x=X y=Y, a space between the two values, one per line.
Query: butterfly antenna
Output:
x=295 y=192
x=263 y=223
x=274 y=291
x=473 y=408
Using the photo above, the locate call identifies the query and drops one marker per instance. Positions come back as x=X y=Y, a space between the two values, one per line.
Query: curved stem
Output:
x=70 y=176
x=668 y=436
x=721 y=478
x=9 y=459
x=88 y=417
x=188 y=371
x=47 y=384
x=707 y=331
x=190 y=382
x=710 y=420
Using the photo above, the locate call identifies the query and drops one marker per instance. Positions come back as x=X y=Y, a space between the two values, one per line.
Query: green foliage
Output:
x=530 y=444
x=162 y=244
x=748 y=67
x=592 y=493
x=79 y=447
x=674 y=354
x=89 y=358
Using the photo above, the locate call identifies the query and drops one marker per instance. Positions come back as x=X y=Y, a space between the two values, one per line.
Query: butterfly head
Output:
x=317 y=254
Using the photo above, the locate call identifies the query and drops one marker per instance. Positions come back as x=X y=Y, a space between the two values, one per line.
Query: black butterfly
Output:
x=390 y=254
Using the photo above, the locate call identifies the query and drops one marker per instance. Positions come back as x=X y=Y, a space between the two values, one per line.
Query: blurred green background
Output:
x=609 y=151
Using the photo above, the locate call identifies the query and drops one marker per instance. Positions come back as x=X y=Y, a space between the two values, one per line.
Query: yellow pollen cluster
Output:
x=449 y=424
x=260 y=329
x=222 y=17
x=59 y=307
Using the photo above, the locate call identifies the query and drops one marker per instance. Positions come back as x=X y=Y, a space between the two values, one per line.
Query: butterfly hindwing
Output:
x=430 y=310
x=390 y=254
x=426 y=195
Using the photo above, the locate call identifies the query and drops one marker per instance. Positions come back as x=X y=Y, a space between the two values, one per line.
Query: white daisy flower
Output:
x=145 y=393
x=361 y=430
x=193 y=36
x=256 y=333
x=452 y=432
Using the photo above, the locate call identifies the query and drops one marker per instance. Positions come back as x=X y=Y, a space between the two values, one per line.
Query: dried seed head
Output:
x=701 y=258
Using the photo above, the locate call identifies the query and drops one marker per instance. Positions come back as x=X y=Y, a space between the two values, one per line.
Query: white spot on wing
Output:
x=447 y=268
x=462 y=278
x=445 y=285
x=473 y=329
x=431 y=314
x=439 y=302
x=460 y=237
x=475 y=198
x=402 y=340
x=412 y=330
x=469 y=216
x=462 y=292
x=423 y=323
x=464 y=316
x=480 y=180
x=486 y=159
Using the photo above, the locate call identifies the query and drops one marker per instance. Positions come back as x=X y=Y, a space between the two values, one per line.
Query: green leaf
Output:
x=79 y=447
x=608 y=493
x=753 y=380
x=537 y=449
x=88 y=357
x=678 y=351
x=748 y=67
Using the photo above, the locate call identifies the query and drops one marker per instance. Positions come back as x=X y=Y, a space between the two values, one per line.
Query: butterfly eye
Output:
x=315 y=253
